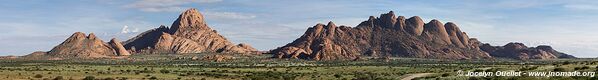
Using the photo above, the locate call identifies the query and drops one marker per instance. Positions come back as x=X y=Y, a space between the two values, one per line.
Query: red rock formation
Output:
x=456 y=36
x=118 y=47
x=414 y=25
x=522 y=52
x=434 y=31
x=81 y=46
x=384 y=36
x=9 y=57
x=188 y=34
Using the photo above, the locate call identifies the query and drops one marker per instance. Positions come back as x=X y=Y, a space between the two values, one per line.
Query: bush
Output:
x=153 y=78
x=38 y=76
x=109 y=78
x=164 y=71
x=560 y=69
x=338 y=75
x=585 y=67
x=445 y=75
x=89 y=78
x=58 y=78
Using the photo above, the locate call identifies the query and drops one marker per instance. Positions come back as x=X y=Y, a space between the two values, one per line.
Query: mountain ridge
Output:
x=386 y=36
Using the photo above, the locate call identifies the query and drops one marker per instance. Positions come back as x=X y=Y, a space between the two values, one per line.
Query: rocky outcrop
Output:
x=118 y=47
x=522 y=52
x=434 y=31
x=455 y=35
x=217 y=58
x=8 y=57
x=414 y=25
x=81 y=46
x=384 y=36
x=37 y=53
x=189 y=34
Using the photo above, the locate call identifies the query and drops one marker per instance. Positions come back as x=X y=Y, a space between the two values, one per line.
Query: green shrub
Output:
x=89 y=78
x=560 y=69
x=153 y=78
x=338 y=75
x=38 y=76
x=164 y=71
x=58 y=78
x=109 y=78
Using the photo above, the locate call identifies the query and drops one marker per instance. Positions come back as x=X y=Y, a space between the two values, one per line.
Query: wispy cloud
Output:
x=581 y=7
x=227 y=15
x=165 y=5
x=127 y=29
x=267 y=24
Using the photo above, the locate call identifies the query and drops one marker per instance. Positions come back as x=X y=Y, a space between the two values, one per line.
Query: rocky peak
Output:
x=371 y=19
x=515 y=46
x=414 y=25
x=189 y=20
x=544 y=47
x=77 y=36
x=188 y=34
x=400 y=24
x=457 y=37
x=81 y=46
x=388 y=20
x=516 y=50
x=118 y=47
x=330 y=28
x=91 y=36
x=331 y=25
x=436 y=32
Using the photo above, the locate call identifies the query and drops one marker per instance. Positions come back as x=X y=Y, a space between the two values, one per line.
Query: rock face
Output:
x=522 y=52
x=118 y=47
x=188 y=34
x=383 y=36
x=81 y=46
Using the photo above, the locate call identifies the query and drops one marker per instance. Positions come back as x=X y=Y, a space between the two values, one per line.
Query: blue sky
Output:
x=38 y=25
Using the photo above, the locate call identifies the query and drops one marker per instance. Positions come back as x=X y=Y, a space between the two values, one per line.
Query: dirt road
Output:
x=416 y=75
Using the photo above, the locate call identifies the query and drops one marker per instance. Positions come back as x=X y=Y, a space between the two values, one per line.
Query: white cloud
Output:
x=125 y=29
x=581 y=7
x=165 y=5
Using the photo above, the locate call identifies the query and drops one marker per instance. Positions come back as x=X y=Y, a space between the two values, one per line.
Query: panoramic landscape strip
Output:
x=382 y=47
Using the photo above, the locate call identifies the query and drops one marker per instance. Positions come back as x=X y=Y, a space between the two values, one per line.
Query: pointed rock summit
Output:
x=414 y=25
x=188 y=22
x=189 y=34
